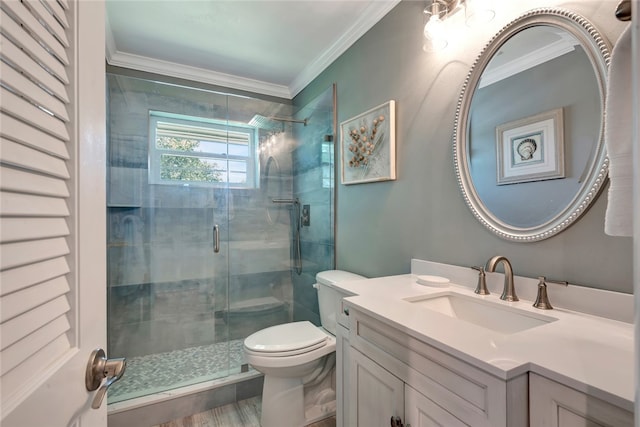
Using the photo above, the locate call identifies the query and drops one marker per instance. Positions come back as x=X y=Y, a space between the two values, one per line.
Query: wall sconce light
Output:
x=435 y=33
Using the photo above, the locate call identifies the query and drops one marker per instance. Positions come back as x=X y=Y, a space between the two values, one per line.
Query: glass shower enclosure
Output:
x=199 y=256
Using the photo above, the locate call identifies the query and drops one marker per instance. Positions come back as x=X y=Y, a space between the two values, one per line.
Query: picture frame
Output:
x=368 y=146
x=531 y=149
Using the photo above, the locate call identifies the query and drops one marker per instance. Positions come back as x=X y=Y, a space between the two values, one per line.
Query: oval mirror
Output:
x=528 y=147
x=272 y=188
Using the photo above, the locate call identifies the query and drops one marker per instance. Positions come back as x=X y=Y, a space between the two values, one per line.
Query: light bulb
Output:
x=435 y=33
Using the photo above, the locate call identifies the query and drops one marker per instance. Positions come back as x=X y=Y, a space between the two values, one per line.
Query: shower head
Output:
x=265 y=123
x=273 y=123
x=286 y=201
x=289 y=120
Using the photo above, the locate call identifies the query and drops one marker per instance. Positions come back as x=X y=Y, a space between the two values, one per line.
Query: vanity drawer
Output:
x=474 y=396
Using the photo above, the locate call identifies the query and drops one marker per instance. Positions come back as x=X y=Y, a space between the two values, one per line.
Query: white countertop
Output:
x=589 y=353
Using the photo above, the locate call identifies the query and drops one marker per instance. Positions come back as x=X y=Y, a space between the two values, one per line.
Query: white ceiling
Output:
x=264 y=46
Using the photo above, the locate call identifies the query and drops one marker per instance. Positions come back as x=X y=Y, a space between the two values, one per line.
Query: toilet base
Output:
x=320 y=406
x=287 y=402
x=282 y=402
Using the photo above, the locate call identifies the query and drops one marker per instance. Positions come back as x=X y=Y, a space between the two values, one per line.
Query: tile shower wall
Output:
x=167 y=291
x=313 y=177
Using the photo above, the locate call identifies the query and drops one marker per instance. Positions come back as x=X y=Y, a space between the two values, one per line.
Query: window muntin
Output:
x=186 y=150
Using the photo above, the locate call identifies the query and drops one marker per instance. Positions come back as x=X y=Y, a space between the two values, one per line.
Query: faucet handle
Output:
x=481 y=287
x=555 y=282
x=542 y=300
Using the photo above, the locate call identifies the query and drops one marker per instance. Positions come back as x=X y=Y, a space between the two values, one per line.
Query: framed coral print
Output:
x=531 y=149
x=368 y=146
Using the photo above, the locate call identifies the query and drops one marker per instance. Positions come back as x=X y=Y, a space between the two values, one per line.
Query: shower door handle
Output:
x=216 y=238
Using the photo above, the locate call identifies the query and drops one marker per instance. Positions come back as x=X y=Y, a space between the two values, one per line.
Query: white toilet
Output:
x=298 y=361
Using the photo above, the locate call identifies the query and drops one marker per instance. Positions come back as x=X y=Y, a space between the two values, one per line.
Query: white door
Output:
x=52 y=210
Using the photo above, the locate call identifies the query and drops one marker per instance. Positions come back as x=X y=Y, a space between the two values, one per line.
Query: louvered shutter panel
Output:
x=36 y=322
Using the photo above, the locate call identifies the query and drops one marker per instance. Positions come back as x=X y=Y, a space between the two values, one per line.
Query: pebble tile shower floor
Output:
x=155 y=373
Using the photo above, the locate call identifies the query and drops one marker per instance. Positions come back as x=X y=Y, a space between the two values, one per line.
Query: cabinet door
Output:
x=375 y=395
x=342 y=377
x=555 y=405
x=421 y=411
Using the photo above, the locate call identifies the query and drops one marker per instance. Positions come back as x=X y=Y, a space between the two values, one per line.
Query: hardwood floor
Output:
x=245 y=413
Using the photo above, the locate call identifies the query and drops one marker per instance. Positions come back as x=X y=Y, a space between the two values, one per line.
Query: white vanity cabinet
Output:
x=394 y=374
x=556 y=405
x=377 y=395
x=342 y=375
x=420 y=411
x=342 y=364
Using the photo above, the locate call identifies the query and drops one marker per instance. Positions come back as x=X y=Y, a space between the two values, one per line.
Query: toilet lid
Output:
x=286 y=353
x=285 y=338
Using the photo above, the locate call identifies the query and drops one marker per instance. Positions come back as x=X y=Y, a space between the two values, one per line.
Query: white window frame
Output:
x=155 y=153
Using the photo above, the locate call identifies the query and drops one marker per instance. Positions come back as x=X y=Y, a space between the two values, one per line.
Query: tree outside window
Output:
x=186 y=168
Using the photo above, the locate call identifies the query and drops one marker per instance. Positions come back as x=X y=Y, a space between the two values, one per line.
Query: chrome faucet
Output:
x=509 y=291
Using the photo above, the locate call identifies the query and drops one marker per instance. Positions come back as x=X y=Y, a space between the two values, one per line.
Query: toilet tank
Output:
x=330 y=297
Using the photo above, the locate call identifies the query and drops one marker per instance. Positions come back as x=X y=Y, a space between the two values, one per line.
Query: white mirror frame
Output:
x=598 y=50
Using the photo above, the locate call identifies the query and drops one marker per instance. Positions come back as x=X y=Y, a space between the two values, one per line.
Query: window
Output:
x=185 y=150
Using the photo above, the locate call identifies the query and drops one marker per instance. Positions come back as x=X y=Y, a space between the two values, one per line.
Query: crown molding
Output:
x=371 y=16
x=530 y=60
x=172 y=69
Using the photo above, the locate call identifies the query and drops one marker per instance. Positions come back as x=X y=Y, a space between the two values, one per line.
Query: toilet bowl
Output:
x=298 y=361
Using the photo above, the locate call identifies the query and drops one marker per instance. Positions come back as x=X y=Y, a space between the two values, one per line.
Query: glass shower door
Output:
x=167 y=290
x=182 y=160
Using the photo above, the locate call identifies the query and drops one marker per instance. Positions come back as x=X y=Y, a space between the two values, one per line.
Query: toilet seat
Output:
x=286 y=353
x=287 y=339
x=265 y=362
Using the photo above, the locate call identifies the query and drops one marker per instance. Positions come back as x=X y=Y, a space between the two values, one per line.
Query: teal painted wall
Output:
x=381 y=226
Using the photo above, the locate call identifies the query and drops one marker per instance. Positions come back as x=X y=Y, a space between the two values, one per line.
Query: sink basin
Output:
x=490 y=315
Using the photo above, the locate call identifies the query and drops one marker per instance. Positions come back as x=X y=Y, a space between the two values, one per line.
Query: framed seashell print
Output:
x=368 y=146
x=531 y=149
